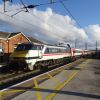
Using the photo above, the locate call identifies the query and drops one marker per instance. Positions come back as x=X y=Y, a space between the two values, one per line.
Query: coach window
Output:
x=53 y=50
x=47 y=51
x=57 y=50
x=67 y=49
x=62 y=50
x=50 y=50
x=39 y=47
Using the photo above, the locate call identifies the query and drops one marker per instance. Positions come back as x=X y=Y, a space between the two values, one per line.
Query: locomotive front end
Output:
x=18 y=60
x=25 y=56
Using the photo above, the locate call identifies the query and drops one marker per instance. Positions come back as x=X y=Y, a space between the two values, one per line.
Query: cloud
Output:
x=94 y=32
x=47 y=25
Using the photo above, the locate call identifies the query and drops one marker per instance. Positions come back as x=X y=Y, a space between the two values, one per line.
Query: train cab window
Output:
x=22 y=47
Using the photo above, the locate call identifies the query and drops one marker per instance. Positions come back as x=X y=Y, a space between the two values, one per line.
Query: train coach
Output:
x=29 y=56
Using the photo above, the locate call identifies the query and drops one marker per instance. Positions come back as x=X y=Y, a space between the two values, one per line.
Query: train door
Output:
x=40 y=51
x=72 y=51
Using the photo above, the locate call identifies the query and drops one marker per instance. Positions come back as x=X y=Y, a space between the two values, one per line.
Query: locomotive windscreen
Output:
x=22 y=47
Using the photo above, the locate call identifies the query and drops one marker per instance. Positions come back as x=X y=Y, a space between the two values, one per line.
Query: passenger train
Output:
x=29 y=56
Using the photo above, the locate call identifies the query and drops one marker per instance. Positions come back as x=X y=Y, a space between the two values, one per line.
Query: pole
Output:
x=75 y=43
x=96 y=45
x=85 y=45
x=4 y=5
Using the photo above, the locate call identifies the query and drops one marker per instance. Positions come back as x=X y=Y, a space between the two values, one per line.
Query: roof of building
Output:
x=13 y=34
x=6 y=35
x=34 y=40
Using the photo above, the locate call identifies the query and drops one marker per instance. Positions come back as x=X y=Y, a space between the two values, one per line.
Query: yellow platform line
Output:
x=51 y=77
x=38 y=94
x=60 y=86
x=49 y=97
x=0 y=95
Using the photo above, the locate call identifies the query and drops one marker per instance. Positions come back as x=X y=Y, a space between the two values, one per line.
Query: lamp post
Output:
x=75 y=43
x=85 y=45
x=96 y=45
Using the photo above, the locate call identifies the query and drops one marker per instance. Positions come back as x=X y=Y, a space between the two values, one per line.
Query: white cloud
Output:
x=94 y=32
x=48 y=26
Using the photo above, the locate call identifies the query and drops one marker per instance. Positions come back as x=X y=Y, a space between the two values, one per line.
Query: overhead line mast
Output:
x=5 y=4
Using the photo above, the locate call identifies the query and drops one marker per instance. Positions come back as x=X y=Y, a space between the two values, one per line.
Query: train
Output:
x=1 y=51
x=29 y=56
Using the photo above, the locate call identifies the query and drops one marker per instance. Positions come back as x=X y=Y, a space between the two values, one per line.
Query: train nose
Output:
x=19 y=54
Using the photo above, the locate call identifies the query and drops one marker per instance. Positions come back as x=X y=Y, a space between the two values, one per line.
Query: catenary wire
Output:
x=67 y=10
x=33 y=5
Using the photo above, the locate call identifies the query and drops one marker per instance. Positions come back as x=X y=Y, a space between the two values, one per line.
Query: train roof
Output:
x=54 y=46
x=32 y=43
x=47 y=45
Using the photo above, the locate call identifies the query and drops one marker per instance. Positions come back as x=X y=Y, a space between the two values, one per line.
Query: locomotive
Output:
x=29 y=56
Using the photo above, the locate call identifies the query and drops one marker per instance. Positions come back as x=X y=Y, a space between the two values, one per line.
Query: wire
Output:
x=33 y=5
x=17 y=13
x=67 y=10
x=24 y=5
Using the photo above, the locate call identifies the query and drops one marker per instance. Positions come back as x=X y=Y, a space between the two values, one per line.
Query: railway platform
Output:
x=80 y=82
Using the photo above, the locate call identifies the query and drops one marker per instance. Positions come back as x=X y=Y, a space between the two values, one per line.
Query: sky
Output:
x=53 y=24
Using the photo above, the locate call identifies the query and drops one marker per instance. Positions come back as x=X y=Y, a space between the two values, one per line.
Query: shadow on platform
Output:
x=86 y=95
x=73 y=68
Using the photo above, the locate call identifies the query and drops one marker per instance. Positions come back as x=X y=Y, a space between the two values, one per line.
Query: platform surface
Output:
x=80 y=83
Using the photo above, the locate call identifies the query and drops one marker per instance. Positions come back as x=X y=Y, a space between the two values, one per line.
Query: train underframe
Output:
x=23 y=66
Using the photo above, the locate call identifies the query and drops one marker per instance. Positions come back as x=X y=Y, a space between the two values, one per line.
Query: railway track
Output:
x=9 y=79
